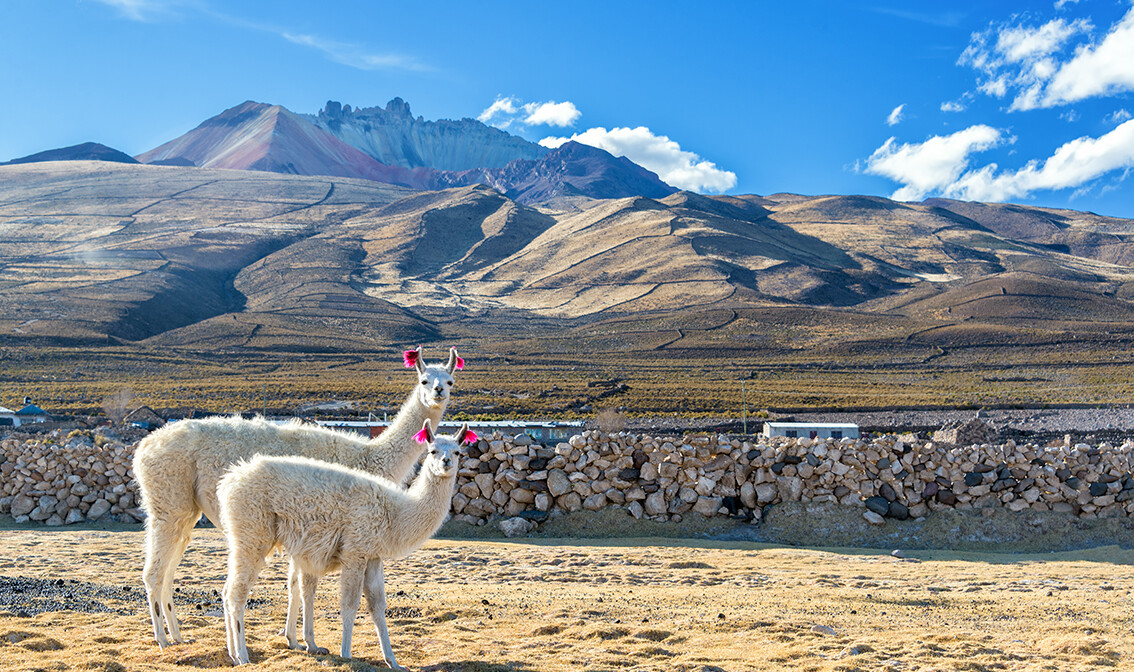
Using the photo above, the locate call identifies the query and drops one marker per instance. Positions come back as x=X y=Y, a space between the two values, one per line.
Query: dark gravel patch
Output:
x=26 y=597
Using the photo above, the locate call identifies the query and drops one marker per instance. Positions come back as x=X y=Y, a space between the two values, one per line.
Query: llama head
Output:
x=444 y=451
x=435 y=381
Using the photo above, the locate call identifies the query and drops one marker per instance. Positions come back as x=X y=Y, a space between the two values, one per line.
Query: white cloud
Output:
x=506 y=110
x=930 y=166
x=145 y=10
x=940 y=165
x=501 y=107
x=1053 y=64
x=952 y=106
x=675 y=166
x=1118 y=116
x=353 y=55
x=1097 y=70
x=895 y=115
x=1072 y=165
x=551 y=113
x=1060 y=4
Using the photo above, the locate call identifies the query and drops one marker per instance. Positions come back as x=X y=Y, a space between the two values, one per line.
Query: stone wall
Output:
x=61 y=479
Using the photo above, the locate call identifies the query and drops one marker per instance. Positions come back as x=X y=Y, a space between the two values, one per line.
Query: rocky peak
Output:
x=399 y=108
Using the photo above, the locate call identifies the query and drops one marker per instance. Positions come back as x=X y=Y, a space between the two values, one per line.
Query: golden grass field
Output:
x=633 y=604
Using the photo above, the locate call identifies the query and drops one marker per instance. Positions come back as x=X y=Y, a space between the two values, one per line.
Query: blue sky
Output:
x=1028 y=102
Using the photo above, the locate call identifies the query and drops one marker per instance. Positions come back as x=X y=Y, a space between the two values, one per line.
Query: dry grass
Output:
x=645 y=604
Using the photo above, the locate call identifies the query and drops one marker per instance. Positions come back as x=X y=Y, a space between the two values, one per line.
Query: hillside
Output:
x=222 y=258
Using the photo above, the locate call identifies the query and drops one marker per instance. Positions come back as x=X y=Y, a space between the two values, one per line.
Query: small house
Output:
x=7 y=417
x=29 y=414
x=812 y=430
x=144 y=417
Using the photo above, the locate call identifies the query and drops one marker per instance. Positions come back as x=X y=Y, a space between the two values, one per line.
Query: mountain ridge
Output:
x=258 y=136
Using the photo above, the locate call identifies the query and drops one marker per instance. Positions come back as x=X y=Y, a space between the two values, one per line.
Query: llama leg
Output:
x=376 y=597
x=166 y=539
x=241 y=575
x=292 y=604
x=350 y=592
x=307 y=584
x=175 y=553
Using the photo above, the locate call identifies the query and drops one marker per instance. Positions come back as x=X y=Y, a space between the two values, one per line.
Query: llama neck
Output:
x=425 y=509
x=394 y=452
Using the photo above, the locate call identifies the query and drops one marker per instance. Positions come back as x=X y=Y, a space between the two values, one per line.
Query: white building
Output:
x=812 y=430
x=25 y=416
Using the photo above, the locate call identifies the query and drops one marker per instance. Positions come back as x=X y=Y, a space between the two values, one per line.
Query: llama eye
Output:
x=425 y=382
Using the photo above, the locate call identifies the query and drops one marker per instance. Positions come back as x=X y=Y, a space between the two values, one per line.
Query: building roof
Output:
x=800 y=425
x=5 y=410
x=32 y=409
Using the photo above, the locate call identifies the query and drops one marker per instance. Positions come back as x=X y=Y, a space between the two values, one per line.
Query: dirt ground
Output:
x=556 y=604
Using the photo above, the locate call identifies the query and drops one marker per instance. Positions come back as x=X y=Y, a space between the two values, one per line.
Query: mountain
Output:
x=392 y=136
x=204 y=258
x=257 y=136
x=573 y=169
x=87 y=151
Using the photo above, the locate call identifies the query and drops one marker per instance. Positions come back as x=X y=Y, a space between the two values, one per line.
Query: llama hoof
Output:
x=318 y=651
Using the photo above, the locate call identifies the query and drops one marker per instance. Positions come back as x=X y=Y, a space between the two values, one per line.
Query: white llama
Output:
x=328 y=516
x=178 y=466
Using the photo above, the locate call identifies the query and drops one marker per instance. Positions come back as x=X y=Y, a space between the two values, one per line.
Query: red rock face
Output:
x=255 y=136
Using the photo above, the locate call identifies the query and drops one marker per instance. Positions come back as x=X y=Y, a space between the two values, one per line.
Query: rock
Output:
x=748 y=495
x=570 y=502
x=486 y=483
x=655 y=504
x=648 y=472
x=516 y=527
x=543 y=501
x=595 y=502
x=879 y=505
x=521 y=440
x=897 y=553
x=707 y=506
x=873 y=518
x=54 y=520
x=557 y=482
x=766 y=493
x=74 y=516
x=635 y=509
x=899 y=511
x=98 y=509
x=790 y=488
x=38 y=514
x=887 y=492
x=22 y=505
x=629 y=474
x=973 y=479
x=946 y=497
x=823 y=630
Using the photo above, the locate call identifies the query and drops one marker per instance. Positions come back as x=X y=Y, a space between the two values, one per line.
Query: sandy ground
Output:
x=641 y=604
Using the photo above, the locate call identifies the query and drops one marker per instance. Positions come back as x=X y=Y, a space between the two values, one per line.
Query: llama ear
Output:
x=426 y=433
x=467 y=436
x=412 y=357
x=455 y=361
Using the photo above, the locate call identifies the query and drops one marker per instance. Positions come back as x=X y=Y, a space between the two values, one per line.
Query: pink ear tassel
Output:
x=410 y=356
x=471 y=438
x=421 y=437
x=460 y=361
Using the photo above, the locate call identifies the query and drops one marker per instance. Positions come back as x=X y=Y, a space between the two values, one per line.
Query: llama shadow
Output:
x=477 y=666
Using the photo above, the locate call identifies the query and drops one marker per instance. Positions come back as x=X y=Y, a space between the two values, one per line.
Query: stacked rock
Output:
x=61 y=478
